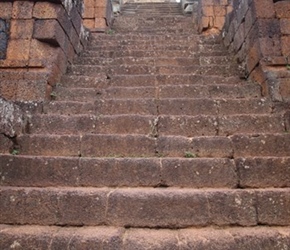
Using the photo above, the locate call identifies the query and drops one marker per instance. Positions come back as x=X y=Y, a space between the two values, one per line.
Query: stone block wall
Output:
x=258 y=33
x=212 y=14
x=38 y=39
x=97 y=14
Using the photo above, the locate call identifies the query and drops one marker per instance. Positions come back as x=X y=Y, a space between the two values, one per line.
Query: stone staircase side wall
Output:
x=38 y=40
x=258 y=32
x=211 y=15
x=97 y=14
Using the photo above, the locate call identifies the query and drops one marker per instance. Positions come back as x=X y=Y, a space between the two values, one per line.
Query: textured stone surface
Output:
x=12 y=120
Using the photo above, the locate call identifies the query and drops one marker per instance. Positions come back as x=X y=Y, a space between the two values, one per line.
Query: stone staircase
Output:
x=152 y=141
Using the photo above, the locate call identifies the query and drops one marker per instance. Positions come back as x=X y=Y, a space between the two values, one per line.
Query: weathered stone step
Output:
x=180 y=79
x=98 y=81
x=28 y=171
x=105 y=81
x=160 y=51
x=229 y=91
x=166 y=106
x=92 y=145
x=153 y=24
x=85 y=124
x=200 y=125
x=149 y=207
x=256 y=172
x=104 y=107
x=150 y=61
x=242 y=238
x=163 y=91
x=93 y=94
x=92 y=70
x=220 y=125
x=208 y=106
x=135 y=39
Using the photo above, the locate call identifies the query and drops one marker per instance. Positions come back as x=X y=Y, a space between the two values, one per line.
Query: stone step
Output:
x=65 y=91
x=101 y=237
x=166 y=106
x=190 y=126
x=149 y=207
x=252 y=172
x=142 y=22
x=198 y=106
x=152 y=53
x=99 y=145
x=228 y=91
x=202 y=125
x=92 y=70
x=82 y=124
x=190 y=79
x=162 y=91
x=26 y=171
x=150 y=61
x=135 y=39
x=155 y=52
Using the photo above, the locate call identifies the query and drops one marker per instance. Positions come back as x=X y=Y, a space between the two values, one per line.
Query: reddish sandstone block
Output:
x=5 y=10
x=89 y=3
x=46 y=10
x=258 y=75
x=100 y=23
x=285 y=26
x=49 y=31
x=8 y=89
x=208 y=11
x=270 y=46
x=18 y=49
x=219 y=22
x=42 y=51
x=282 y=9
x=285 y=41
x=89 y=12
x=21 y=29
x=264 y=9
x=285 y=88
x=22 y=9
x=100 y=3
x=253 y=57
x=31 y=90
x=89 y=23
x=100 y=12
x=219 y=10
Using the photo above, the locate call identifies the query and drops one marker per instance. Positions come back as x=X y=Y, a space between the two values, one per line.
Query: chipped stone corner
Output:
x=12 y=119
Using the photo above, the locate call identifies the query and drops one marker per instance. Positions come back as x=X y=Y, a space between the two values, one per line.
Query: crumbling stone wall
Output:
x=258 y=32
x=98 y=14
x=38 y=39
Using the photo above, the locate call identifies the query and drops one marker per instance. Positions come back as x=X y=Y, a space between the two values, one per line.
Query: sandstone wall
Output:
x=258 y=32
x=38 y=39
x=97 y=14
x=212 y=14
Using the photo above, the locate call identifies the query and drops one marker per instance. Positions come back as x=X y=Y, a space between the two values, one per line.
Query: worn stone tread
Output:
x=114 y=145
x=149 y=207
x=117 y=238
x=30 y=171
x=85 y=124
